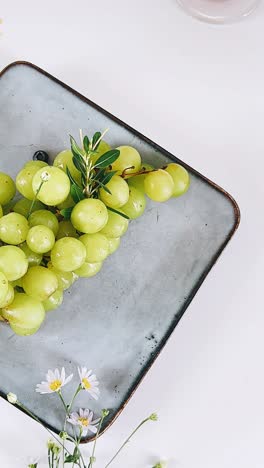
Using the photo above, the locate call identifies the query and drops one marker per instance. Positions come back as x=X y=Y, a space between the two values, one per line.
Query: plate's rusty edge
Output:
x=203 y=276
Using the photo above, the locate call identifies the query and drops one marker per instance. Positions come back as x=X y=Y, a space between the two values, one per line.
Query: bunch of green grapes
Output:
x=67 y=219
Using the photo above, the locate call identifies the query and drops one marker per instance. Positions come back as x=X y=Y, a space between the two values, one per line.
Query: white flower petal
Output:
x=57 y=374
x=93 y=429
x=88 y=414
x=50 y=376
x=68 y=379
x=96 y=421
x=62 y=376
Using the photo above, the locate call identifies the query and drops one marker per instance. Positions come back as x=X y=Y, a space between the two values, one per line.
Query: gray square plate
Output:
x=118 y=321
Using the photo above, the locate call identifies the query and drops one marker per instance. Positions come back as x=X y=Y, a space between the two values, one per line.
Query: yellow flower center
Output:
x=86 y=383
x=83 y=421
x=55 y=385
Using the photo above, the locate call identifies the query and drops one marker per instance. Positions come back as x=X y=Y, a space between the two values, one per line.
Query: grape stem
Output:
x=35 y=198
x=135 y=173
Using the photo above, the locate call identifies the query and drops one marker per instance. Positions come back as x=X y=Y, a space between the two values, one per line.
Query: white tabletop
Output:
x=197 y=90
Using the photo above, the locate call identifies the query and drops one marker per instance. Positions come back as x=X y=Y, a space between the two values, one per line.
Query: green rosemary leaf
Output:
x=108 y=176
x=100 y=174
x=70 y=176
x=79 y=163
x=75 y=148
x=86 y=143
x=108 y=158
x=103 y=186
x=76 y=193
x=95 y=139
x=118 y=212
x=66 y=212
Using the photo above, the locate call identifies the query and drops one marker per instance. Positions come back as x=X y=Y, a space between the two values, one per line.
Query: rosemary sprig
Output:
x=95 y=171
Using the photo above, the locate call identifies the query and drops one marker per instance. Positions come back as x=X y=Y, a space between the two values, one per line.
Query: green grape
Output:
x=9 y=296
x=45 y=218
x=96 y=247
x=113 y=244
x=65 y=278
x=8 y=208
x=54 y=301
x=55 y=188
x=129 y=160
x=7 y=188
x=66 y=229
x=13 y=262
x=119 y=192
x=3 y=287
x=40 y=239
x=63 y=160
x=89 y=216
x=39 y=282
x=136 y=204
x=102 y=148
x=38 y=164
x=24 y=181
x=181 y=178
x=22 y=331
x=17 y=283
x=33 y=258
x=116 y=225
x=68 y=254
x=13 y=228
x=24 y=205
x=1 y=211
x=25 y=313
x=88 y=269
x=159 y=185
x=138 y=180
x=68 y=203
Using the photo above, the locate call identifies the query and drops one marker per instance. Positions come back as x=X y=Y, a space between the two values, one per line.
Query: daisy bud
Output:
x=153 y=417
x=105 y=412
x=12 y=398
x=161 y=464
x=63 y=435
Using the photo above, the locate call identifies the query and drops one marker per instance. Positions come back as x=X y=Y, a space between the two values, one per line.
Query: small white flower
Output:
x=55 y=381
x=12 y=398
x=84 y=419
x=89 y=382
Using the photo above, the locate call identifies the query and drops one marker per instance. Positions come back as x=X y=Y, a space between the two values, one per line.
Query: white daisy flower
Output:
x=55 y=381
x=89 y=382
x=84 y=419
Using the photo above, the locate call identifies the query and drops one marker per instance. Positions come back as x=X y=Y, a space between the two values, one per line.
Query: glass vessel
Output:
x=218 y=11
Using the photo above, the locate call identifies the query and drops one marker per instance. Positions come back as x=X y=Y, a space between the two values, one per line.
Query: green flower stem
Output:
x=49 y=460
x=38 y=420
x=79 y=388
x=63 y=402
x=104 y=414
x=150 y=418
x=35 y=198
